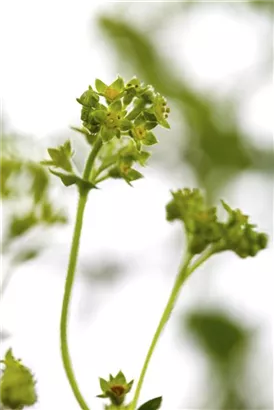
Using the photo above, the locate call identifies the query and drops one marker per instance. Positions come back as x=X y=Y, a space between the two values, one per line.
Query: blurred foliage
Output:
x=266 y=7
x=26 y=182
x=218 y=335
x=213 y=140
x=26 y=204
x=17 y=384
x=225 y=343
x=108 y=271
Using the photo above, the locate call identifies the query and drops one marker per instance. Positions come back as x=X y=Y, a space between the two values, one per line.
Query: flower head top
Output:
x=124 y=103
x=121 y=116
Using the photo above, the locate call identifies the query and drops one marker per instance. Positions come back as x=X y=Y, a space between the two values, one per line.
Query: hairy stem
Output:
x=181 y=277
x=70 y=279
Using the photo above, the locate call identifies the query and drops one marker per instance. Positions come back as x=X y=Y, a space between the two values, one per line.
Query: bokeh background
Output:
x=214 y=63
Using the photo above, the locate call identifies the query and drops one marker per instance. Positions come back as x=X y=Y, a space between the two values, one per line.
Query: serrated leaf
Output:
x=153 y=404
x=61 y=156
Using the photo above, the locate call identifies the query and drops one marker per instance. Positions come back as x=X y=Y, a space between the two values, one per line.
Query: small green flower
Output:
x=240 y=236
x=17 y=385
x=112 y=92
x=160 y=110
x=111 y=120
x=200 y=221
x=126 y=157
x=89 y=98
x=132 y=89
x=116 y=388
x=203 y=227
x=140 y=131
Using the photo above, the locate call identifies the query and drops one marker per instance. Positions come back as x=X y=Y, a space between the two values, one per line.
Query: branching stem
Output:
x=83 y=196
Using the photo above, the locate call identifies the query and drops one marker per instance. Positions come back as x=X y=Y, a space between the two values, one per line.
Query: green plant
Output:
x=117 y=132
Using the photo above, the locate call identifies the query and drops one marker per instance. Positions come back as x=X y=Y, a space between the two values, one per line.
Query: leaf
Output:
x=107 y=134
x=164 y=123
x=20 y=225
x=116 y=106
x=143 y=157
x=88 y=99
x=67 y=179
x=118 y=84
x=149 y=139
x=103 y=384
x=125 y=125
x=89 y=137
x=99 y=116
x=120 y=377
x=150 y=116
x=26 y=255
x=40 y=182
x=133 y=175
x=61 y=156
x=153 y=404
x=100 y=86
x=71 y=179
x=140 y=120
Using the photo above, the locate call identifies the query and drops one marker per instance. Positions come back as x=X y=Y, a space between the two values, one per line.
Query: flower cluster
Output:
x=17 y=385
x=203 y=227
x=131 y=109
x=116 y=388
x=122 y=117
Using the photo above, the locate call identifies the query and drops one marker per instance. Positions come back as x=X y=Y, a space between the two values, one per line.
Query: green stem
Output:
x=96 y=148
x=66 y=300
x=70 y=278
x=103 y=178
x=181 y=277
x=209 y=252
